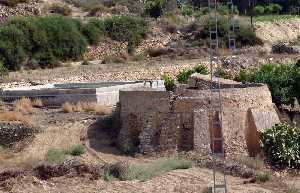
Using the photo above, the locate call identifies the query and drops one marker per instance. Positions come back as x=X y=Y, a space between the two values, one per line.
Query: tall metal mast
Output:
x=216 y=105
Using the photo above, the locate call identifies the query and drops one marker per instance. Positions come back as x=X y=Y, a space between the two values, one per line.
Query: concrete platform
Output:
x=105 y=93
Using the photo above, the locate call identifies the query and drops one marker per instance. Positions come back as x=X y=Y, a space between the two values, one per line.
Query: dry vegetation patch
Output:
x=86 y=107
x=24 y=105
x=11 y=116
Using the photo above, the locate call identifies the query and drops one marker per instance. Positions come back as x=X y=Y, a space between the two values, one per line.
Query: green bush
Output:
x=42 y=41
x=146 y=172
x=13 y=56
x=65 y=40
x=77 y=150
x=94 y=31
x=3 y=72
x=185 y=74
x=45 y=60
x=154 y=8
x=282 y=80
x=126 y=29
x=276 y=8
x=169 y=83
x=269 y=9
x=259 y=9
x=35 y=39
x=56 y=156
x=223 y=74
x=187 y=10
x=263 y=177
x=281 y=145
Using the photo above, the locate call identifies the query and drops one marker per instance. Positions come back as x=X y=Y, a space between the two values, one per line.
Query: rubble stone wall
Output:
x=181 y=121
x=32 y=8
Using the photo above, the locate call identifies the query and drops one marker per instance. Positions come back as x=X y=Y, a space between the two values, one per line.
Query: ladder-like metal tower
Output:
x=216 y=106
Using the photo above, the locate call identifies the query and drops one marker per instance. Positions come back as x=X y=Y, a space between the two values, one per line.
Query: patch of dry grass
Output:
x=67 y=107
x=62 y=137
x=10 y=116
x=37 y=102
x=86 y=107
x=24 y=105
x=255 y=163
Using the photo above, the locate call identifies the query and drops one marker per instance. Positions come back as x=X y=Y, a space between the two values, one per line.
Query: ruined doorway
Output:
x=216 y=133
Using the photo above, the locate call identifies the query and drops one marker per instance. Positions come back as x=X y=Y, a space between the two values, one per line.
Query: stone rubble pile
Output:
x=11 y=133
x=155 y=39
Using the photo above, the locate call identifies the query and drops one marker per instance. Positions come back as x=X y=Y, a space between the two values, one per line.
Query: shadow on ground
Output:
x=102 y=137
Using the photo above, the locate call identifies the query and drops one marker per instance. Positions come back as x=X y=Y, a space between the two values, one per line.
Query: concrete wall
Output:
x=180 y=121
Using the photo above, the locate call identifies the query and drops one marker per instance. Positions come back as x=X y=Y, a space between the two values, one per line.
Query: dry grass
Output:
x=53 y=137
x=86 y=107
x=253 y=163
x=37 y=102
x=24 y=105
x=10 y=116
x=67 y=107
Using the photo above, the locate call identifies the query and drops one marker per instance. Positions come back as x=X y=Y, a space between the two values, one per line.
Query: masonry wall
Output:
x=180 y=121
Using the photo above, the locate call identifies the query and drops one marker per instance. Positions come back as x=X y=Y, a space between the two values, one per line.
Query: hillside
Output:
x=71 y=58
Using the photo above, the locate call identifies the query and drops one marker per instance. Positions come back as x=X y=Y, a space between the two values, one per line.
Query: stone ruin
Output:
x=157 y=121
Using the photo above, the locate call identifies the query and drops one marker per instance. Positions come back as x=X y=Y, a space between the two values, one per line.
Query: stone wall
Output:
x=23 y=9
x=180 y=121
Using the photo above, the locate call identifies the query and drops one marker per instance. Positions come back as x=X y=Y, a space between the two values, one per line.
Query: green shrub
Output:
x=276 y=8
x=263 y=177
x=35 y=39
x=169 y=83
x=224 y=10
x=259 y=9
x=154 y=8
x=77 y=150
x=65 y=40
x=108 y=177
x=94 y=31
x=281 y=145
x=187 y=10
x=201 y=69
x=146 y=172
x=13 y=56
x=185 y=74
x=282 y=80
x=126 y=29
x=56 y=156
x=223 y=74
x=3 y=72
x=45 y=60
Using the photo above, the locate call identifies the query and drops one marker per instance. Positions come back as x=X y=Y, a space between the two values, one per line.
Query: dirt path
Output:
x=193 y=180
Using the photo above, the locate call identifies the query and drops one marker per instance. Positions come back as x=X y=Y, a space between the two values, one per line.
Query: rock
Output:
x=118 y=170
